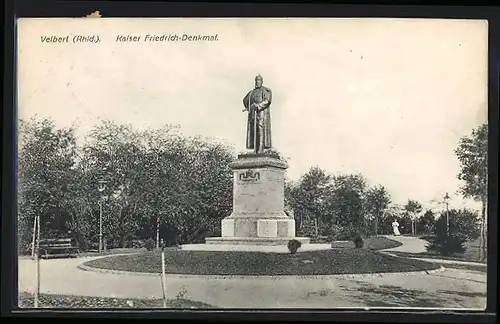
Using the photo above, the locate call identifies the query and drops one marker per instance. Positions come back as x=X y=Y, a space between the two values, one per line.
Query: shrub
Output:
x=347 y=233
x=336 y=233
x=199 y=236
x=293 y=246
x=463 y=226
x=358 y=242
x=138 y=244
x=447 y=245
x=344 y=233
x=150 y=244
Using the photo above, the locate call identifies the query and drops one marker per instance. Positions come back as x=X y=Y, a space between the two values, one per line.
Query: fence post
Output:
x=34 y=238
x=37 y=256
x=163 y=279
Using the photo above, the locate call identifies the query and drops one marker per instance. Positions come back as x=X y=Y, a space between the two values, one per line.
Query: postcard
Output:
x=252 y=163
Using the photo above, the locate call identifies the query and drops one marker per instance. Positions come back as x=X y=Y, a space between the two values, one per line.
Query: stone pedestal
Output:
x=258 y=215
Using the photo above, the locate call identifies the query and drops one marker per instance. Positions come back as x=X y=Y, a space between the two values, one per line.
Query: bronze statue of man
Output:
x=257 y=102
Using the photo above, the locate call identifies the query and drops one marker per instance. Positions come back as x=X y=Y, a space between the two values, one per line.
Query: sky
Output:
x=389 y=98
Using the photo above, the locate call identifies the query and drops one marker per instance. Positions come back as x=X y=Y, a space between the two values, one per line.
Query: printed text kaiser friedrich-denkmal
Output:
x=167 y=38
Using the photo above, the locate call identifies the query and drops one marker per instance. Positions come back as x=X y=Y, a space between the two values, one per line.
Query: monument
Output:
x=258 y=221
x=258 y=216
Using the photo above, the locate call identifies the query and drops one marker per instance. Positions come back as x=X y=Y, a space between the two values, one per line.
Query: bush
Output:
x=463 y=226
x=358 y=242
x=293 y=246
x=347 y=233
x=199 y=236
x=447 y=245
x=344 y=233
x=138 y=244
x=150 y=244
x=336 y=233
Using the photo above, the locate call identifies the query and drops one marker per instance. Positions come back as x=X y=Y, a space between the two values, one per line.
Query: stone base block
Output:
x=258 y=227
x=227 y=227
x=267 y=228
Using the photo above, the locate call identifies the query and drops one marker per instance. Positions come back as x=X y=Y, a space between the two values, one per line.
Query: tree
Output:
x=207 y=195
x=340 y=206
x=292 y=201
x=426 y=223
x=412 y=208
x=309 y=198
x=159 y=177
x=47 y=177
x=405 y=223
x=463 y=225
x=116 y=157
x=348 y=194
x=472 y=152
x=377 y=201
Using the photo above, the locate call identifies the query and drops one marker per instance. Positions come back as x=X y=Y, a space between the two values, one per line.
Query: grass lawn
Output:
x=334 y=261
x=26 y=300
x=472 y=267
x=471 y=253
x=118 y=251
x=380 y=243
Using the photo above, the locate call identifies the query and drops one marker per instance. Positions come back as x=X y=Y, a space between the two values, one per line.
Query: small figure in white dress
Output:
x=395 y=228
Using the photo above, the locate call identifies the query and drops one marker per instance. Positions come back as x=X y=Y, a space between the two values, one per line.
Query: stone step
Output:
x=267 y=241
x=253 y=248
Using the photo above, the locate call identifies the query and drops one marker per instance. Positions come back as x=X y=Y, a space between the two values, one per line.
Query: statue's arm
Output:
x=268 y=97
x=245 y=100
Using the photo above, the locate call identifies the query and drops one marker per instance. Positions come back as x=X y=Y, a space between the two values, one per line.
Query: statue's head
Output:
x=258 y=81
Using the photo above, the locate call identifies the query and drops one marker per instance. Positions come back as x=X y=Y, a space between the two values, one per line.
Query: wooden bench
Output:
x=57 y=248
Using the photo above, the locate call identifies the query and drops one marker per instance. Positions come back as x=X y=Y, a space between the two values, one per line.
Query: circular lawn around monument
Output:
x=326 y=262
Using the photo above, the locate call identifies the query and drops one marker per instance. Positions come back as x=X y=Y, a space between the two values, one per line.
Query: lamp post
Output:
x=101 y=187
x=446 y=199
x=412 y=216
x=414 y=221
x=158 y=232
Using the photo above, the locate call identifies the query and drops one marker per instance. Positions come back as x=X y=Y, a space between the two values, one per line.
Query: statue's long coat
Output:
x=258 y=95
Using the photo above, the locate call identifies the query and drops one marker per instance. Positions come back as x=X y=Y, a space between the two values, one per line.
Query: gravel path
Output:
x=410 y=244
x=448 y=289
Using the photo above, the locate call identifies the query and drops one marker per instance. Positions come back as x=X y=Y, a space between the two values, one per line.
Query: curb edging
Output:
x=253 y=277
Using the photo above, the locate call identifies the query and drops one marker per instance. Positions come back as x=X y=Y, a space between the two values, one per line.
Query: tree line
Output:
x=146 y=177
x=143 y=178
x=343 y=206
